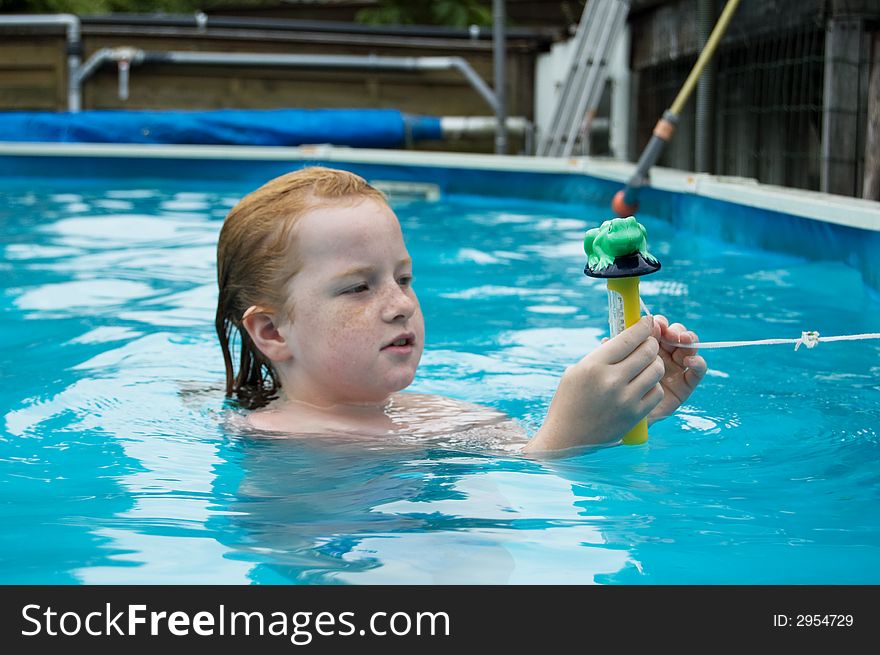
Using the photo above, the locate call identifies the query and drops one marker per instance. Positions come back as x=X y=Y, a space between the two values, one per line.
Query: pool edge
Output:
x=809 y=223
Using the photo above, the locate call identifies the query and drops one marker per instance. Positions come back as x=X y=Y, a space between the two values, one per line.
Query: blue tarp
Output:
x=364 y=128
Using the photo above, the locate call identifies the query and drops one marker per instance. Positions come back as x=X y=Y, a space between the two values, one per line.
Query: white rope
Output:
x=810 y=339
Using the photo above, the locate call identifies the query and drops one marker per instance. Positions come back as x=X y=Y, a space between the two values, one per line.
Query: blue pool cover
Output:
x=361 y=128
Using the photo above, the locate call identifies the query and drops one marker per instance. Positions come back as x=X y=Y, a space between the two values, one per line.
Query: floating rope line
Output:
x=810 y=339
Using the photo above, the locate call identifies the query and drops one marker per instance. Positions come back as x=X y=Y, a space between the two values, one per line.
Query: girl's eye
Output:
x=360 y=288
x=405 y=280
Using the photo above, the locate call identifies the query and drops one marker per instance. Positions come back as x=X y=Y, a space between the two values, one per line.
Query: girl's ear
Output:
x=266 y=337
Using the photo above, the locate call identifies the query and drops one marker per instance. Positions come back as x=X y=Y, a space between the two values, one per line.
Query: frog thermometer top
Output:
x=618 y=248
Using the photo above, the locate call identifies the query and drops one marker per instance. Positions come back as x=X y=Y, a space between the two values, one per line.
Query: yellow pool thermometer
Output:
x=617 y=251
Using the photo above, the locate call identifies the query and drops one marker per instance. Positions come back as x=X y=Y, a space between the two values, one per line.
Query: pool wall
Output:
x=803 y=223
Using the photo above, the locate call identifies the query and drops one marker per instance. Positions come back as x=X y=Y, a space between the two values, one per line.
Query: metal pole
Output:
x=371 y=62
x=499 y=54
x=74 y=48
x=704 y=111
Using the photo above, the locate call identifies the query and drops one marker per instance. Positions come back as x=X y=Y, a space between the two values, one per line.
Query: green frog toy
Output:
x=618 y=248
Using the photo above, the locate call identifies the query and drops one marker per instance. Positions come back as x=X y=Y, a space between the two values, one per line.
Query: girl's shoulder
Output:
x=426 y=402
x=408 y=418
x=303 y=421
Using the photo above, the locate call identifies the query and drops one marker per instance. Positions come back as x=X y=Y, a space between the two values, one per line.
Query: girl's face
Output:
x=357 y=331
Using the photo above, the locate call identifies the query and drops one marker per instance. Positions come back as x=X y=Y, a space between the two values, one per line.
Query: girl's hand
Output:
x=606 y=393
x=684 y=368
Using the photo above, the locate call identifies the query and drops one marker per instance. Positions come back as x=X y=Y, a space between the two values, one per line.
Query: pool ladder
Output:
x=600 y=25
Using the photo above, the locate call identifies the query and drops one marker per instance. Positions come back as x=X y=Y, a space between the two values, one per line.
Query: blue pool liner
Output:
x=359 y=128
x=755 y=227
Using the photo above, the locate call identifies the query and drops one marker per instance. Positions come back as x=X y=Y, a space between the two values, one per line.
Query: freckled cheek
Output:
x=349 y=333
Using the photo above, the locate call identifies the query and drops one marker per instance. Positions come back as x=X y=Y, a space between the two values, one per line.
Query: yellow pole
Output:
x=708 y=50
x=628 y=288
x=625 y=201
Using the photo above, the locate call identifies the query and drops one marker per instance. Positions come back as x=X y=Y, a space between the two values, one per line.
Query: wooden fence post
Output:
x=840 y=114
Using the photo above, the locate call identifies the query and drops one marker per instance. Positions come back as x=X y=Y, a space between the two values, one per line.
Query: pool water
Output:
x=116 y=466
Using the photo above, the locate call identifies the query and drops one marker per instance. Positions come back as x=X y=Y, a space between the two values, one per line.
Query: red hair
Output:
x=257 y=257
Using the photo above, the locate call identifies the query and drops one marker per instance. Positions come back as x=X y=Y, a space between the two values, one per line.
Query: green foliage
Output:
x=91 y=7
x=454 y=13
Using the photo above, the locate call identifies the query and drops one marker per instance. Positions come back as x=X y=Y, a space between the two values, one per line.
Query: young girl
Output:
x=316 y=280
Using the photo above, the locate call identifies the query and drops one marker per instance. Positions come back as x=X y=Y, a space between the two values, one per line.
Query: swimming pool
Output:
x=117 y=467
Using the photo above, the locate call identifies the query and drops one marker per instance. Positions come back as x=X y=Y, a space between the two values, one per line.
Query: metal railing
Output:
x=128 y=56
x=125 y=57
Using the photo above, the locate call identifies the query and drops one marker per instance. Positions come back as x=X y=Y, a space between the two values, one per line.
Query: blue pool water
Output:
x=116 y=466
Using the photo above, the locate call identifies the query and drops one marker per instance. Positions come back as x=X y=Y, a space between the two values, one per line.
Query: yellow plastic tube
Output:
x=628 y=288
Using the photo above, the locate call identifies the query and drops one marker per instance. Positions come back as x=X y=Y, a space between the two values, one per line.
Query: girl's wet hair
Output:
x=257 y=257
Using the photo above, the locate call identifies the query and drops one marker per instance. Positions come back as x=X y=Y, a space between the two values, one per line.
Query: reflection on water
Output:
x=319 y=512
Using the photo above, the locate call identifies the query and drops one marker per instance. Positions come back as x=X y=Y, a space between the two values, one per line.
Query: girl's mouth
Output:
x=403 y=343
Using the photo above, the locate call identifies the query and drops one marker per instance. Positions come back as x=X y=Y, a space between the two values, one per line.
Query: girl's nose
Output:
x=399 y=305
